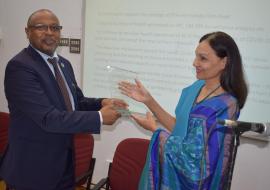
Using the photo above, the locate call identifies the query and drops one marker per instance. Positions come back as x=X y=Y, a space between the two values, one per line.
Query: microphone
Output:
x=242 y=126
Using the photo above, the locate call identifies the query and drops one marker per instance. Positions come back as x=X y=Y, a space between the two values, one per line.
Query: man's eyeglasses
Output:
x=44 y=27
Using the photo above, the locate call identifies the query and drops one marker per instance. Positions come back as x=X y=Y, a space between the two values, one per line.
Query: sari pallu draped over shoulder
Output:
x=196 y=154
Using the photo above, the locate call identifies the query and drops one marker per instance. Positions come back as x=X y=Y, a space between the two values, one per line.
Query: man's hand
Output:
x=109 y=110
x=109 y=114
x=117 y=103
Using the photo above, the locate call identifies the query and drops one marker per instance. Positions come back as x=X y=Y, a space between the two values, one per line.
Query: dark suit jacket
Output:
x=41 y=130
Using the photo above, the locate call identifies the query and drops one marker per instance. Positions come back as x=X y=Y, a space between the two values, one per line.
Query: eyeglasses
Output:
x=44 y=27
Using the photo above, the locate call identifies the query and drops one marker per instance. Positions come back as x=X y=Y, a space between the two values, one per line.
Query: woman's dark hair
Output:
x=232 y=78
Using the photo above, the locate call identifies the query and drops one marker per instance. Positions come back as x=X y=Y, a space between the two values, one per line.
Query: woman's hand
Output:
x=148 y=122
x=135 y=91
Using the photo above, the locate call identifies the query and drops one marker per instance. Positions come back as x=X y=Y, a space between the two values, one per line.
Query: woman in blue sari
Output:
x=193 y=152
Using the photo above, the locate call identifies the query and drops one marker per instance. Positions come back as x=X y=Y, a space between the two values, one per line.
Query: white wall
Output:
x=13 y=18
x=252 y=170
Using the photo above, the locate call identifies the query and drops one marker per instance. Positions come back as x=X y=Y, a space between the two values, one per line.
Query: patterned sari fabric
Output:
x=199 y=159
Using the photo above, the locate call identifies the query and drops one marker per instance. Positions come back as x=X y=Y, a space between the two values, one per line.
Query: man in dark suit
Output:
x=45 y=114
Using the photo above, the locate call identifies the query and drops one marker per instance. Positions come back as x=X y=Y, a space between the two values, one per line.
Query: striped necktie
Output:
x=61 y=83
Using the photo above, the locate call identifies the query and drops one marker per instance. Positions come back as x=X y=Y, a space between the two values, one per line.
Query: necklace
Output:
x=210 y=93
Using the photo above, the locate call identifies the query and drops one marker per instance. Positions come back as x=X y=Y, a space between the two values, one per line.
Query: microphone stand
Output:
x=236 y=134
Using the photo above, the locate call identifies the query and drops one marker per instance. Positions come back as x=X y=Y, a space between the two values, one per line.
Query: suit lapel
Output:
x=40 y=61
x=68 y=78
x=46 y=72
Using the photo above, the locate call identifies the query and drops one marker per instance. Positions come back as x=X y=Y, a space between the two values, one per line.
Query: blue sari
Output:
x=196 y=154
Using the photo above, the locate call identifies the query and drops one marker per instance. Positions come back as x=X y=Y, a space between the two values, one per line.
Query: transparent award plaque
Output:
x=117 y=75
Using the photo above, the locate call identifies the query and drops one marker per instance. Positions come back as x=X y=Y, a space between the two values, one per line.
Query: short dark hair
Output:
x=38 y=11
x=232 y=78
